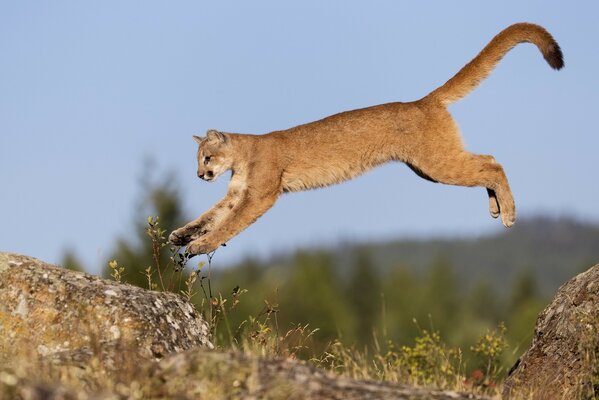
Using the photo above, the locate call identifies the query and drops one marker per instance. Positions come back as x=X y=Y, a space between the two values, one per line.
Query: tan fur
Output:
x=421 y=134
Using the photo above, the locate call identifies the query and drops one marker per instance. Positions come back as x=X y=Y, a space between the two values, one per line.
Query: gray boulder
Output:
x=563 y=359
x=54 y=312
x=233 y=375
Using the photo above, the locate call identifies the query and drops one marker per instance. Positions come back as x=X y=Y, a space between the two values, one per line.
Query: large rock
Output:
x=211 y=375
x=104 y=340
x=203 y=374
x=51 y=311
x=563 y=359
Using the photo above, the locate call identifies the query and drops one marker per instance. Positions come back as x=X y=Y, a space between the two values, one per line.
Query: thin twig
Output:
x=209 y=256
x=155 y=256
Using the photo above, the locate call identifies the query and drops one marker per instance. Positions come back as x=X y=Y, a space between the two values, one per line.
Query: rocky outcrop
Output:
x=203 y=374
x=214 y=375
x=55 y=312
x=12 y=387
x=563 y=359
x=89 y=338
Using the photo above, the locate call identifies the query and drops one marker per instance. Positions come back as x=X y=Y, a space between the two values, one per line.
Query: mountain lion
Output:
x=421 y=134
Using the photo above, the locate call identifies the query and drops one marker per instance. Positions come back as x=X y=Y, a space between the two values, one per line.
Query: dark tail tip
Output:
x=554 y=57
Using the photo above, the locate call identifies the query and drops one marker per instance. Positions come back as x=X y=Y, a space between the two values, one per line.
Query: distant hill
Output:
x=552 y=249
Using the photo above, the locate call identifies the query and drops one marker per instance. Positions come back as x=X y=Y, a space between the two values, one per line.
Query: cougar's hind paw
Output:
x=493 y=203
x=494 y=211
x=508 y=219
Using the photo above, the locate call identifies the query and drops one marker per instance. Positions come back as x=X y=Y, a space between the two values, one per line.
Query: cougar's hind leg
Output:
x=493 y=204
x=467 y=169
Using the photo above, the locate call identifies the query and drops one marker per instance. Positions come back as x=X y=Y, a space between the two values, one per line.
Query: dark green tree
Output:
x=442 y=295
x=364 y=296
x=314 y=295
x=525 y=304
x=71 y=261
x=160 y=197
x=260 y=286
x=402 y=305
x=524 y=290
x=484 y=303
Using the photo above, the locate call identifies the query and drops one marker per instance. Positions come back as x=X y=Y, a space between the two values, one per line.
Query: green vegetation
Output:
x=423 y=312
x=366 y=308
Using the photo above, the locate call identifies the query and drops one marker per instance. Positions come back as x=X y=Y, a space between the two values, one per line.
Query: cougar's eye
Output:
x=207 y=159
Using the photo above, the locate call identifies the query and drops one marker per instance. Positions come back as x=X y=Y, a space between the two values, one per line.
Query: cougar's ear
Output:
x=216 y=136
x=198 y=139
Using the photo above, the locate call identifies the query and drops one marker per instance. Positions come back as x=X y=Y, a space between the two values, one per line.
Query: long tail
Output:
x=481 y=66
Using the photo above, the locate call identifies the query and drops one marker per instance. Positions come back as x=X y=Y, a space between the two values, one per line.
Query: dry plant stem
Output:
x=212 y=303
x=156 y=257
x=212 y=306
x=278 y=347
x=227 y=324
x=210 y=255
x=178 y=265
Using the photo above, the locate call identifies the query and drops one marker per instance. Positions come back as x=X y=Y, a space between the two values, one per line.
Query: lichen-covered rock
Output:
x=563 y=359
x=233 y=375
x=15 y=387
x=204 y=374
x=92 y=339
x=47 y=311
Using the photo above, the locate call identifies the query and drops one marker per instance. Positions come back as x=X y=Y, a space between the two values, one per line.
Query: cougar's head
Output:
x=214 y=155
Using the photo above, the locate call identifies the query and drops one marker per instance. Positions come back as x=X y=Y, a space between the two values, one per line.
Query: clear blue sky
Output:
x=89 y=89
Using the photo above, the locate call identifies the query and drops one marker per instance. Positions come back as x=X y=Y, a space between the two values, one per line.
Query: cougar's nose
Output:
x=200 y=175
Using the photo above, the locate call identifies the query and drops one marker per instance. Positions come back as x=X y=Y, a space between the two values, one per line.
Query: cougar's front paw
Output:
x=201 y=246
x=180 y=237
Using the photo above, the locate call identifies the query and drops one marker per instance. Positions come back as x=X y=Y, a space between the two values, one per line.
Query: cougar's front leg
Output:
x=254 y=203
x=206 y=221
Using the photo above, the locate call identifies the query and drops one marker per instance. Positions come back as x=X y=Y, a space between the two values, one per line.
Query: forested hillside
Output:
x=367 y=293
x=460 y=287
x=551 y=249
